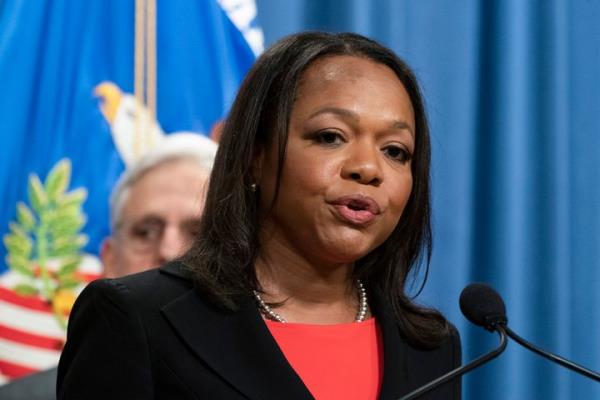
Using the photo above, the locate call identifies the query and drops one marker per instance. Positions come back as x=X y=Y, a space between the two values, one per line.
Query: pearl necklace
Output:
x=360 y=315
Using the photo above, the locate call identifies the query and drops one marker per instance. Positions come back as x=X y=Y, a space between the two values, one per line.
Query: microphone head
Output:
x=483 y=306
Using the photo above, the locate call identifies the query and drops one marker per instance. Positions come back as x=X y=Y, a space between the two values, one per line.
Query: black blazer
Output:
x=151 y=336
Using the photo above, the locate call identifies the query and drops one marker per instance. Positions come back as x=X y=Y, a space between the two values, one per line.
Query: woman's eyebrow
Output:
x=396 y=125
x=342 y=112
x=401 y=126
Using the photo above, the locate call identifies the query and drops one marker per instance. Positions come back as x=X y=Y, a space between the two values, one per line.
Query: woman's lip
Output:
x=358 y=202
x=357 y=217
x=356 y=209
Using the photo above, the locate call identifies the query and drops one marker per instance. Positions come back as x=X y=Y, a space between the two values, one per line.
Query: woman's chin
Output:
x=348 y=249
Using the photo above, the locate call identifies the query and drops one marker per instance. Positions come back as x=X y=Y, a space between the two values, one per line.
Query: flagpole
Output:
x=139 y=78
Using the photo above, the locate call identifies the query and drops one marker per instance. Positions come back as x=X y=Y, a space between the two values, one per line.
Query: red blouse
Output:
x=343 y=361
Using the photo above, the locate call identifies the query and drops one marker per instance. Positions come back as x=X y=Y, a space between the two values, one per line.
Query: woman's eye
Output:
x=329 y=138
x=397 y=153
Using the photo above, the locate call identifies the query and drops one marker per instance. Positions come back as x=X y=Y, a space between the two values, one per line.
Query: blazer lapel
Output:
x=395 y=368
x=240 y=348
x=237 y=345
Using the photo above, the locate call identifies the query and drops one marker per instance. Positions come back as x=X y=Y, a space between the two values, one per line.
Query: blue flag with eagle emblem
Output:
x=67 y=72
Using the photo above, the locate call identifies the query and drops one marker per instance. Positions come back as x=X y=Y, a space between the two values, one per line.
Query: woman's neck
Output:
x=310 y=291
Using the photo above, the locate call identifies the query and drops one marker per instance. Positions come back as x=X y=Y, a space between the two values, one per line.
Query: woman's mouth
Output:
x=356 y=209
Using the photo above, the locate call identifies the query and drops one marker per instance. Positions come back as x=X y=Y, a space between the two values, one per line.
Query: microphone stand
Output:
x=463 y=369
x=552 y=357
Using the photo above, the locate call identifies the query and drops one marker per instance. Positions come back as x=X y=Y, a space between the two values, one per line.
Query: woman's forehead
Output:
x=341 y=69
x=334 y=67
x=357 y=84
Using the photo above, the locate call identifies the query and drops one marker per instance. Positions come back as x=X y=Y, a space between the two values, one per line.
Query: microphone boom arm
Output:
x=552 y=357
x=463 y=369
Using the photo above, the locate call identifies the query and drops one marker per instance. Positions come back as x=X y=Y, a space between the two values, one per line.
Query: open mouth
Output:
x=356 y=209
x=357 y=205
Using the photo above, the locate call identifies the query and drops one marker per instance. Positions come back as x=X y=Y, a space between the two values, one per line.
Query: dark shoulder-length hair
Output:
x=222 y=258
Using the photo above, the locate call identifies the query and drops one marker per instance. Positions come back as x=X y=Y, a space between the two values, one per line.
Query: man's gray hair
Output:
x=172 y=147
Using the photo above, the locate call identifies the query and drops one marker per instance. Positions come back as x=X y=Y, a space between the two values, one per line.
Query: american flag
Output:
x=31 y=336
x=56 y=55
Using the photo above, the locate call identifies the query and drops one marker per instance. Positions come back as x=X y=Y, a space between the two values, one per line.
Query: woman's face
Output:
x=347 y=174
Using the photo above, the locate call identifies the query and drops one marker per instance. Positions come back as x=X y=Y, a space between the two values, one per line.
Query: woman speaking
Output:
x=317 y=213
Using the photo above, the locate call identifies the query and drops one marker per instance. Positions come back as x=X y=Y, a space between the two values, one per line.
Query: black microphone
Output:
x=478 y=302
x=493 y=316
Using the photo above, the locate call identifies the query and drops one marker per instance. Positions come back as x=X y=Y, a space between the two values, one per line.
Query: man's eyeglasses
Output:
x=146 y=234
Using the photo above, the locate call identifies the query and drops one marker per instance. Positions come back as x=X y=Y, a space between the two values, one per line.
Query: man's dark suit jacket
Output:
x=151 y=336
x=38 y=386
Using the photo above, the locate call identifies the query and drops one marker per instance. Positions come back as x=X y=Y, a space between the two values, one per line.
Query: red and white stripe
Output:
x=31 y=338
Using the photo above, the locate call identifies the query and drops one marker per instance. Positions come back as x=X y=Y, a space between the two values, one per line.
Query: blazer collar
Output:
x=240 y=348
x=395 y=366
x=237 y=345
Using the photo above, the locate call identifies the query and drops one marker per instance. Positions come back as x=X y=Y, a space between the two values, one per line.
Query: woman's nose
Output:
x=363 y=164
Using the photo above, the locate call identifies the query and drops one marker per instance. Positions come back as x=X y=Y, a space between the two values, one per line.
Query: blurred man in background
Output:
x=156 y=205
x=155 y=210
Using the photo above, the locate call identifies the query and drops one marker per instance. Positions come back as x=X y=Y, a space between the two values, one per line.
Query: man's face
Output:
x=159 y=218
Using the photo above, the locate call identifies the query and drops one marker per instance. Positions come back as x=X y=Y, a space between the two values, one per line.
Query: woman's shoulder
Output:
x=171 y=276
x=149 y=289
x=431 y=363
x=452 y=344
x=449 y=348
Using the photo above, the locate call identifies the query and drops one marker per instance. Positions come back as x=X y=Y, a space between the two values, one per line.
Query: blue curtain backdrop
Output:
x=513 y=93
